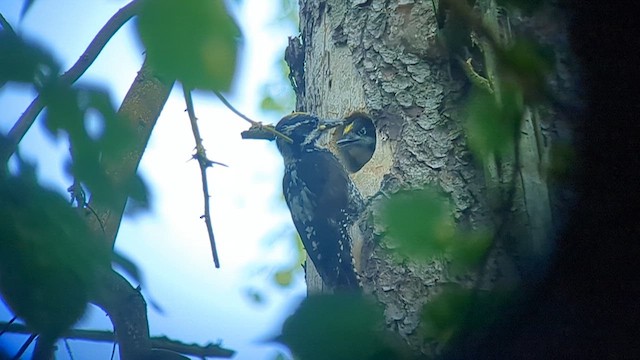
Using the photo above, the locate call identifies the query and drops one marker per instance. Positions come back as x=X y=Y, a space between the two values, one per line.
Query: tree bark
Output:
x=383 y=57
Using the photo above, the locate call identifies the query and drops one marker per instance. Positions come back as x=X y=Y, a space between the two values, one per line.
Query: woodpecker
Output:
x=358 y=141
x=323 y=201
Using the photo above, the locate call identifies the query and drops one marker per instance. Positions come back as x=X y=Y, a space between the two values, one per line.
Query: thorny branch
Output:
x=204 y=163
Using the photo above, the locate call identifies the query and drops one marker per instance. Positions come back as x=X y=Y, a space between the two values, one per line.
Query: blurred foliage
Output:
x=527 y=6
x=288 y=11
x=285 y=276
x=419 y=225
x=338 y=327
x=492 y=126
x=458 y=311
x=193 y=41
x=48 y=255
x=66 y=110
x=23 y=61
x=523 y=67
x=277 y=95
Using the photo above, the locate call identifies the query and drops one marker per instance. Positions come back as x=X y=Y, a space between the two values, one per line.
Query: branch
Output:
x=204 y=163
x=6 y=26
x=140 y=110
x=85 y=60
x=157 y=342
x=256 y=126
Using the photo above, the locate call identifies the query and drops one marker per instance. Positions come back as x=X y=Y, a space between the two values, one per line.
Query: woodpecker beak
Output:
x=326 y=124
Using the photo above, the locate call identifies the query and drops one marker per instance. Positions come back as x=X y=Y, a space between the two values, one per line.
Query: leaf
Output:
x=336 y=327
x=25 y=62
x=284 y=277
x=491 y=127
x=193 y=41
x=524 y=67
x=419 y=223
x=48 y=256
x=443 y=316
x=67 y=108
x=129 y=267
x=469 y=251
x=457 y=309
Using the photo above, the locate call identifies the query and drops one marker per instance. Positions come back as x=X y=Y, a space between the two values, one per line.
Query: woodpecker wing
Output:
x=324 y=202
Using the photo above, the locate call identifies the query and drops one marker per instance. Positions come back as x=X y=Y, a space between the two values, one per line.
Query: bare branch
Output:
x=6 y=26
x=159 y=342
x=256 y=126
x=103 y=36
x=201 y=156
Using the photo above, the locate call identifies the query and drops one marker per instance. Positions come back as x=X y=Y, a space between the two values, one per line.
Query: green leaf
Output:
x=491 y=128
x=25 y=62
x=128 y=266
x=443 y=316
x=284 y=277
x=457 y=309
x=469 y=251
x=527 y=6
x=48 y=256
x=67 y=108
x=336 y=327
x=524 y=67
x=419 y=223
x=193 y=41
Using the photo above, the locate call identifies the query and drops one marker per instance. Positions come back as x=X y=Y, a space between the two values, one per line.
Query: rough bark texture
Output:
x=383 y=57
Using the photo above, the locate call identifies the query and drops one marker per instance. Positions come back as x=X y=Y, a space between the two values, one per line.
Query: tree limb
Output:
x=85 y=60
x=157 y=342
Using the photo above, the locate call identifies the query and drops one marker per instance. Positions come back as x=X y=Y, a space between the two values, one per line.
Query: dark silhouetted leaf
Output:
x=194 y=41
x=337 y=327
x=457 y=309
x=67 y=109
x=419 y=223
x=25 y=62
x=48 y=255
x=129 y=267
x=527 y=6
x=523 y=68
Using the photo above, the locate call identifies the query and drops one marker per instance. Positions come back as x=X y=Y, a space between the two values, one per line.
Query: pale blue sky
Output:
x=252 y=226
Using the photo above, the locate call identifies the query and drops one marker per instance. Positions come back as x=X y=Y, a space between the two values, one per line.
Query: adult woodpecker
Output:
x=323 y=201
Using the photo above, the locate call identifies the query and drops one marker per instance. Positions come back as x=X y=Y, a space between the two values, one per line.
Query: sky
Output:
x=253 y=230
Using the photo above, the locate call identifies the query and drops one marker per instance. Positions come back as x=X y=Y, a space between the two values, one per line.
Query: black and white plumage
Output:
x=322 y=199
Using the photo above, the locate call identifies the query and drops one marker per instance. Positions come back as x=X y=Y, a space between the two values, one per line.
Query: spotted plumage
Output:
x=323 y=201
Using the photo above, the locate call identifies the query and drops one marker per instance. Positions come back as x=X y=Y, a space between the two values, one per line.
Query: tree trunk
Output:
x=384 y=58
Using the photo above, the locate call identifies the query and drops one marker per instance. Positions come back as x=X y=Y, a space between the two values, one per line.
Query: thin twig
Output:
x=68 y=347
x=253 y=123
x=204 y=163
x=4 y=328
x=85 y=60
x=6 y=26
x=25 y=346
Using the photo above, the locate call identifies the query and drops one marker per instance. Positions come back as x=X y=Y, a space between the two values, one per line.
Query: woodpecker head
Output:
x=304 y=129
x=358 y=141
